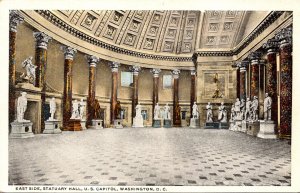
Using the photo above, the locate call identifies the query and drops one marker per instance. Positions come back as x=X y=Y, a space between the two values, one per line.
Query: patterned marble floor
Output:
x=148 y=156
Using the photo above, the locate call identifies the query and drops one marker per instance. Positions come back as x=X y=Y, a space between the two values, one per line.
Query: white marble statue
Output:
x=52 y=109
x=138 y=111
x=247 y=113
x=242 y=107
x=222 y=115
x=209 y=114
x=195 y=112
x=30 y=69
x=75 y=110
x=237 y=109
x=81 y=109
x=232 y=113
x=167 y=114
x=267 y=107
x=138 y=120
x=21 y=107
x=254 y=109
x=157 y=111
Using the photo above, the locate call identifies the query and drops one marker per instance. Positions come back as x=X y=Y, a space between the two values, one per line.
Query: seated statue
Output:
x=75 y=110
x=30 y=70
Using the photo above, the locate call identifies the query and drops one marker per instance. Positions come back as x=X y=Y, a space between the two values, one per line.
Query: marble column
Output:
x=261 y=95
x=176 y=107
x=67 y=95
x=193 y=90
x=114 y=91
x=285 y=51
x=14 y=19
x=271 y=76
x=242 y=79
x=254 y=85
x=155 y=100
x=41 y=63
x=135 y=90
x=92 y=62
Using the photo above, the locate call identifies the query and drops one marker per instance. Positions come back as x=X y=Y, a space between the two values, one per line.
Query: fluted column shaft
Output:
x=114 y=90
x=176 y=108
x=67 y=95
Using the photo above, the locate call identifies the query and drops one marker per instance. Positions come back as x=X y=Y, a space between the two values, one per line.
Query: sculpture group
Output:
x=242 y=110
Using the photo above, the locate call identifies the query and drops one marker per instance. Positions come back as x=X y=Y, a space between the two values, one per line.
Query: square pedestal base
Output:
x=167 y=123
x=231 y=126
x=83 y=124
x=253 y=128
x=118 y=123
x=138 y=122
x=73 y=125
x=21 y=130
x=52 y=127
x=194 y=123
x=266 y=130
x=211 y=125
x=244 y=126
x=96 y=124
x=223 y=125
x=156 y=123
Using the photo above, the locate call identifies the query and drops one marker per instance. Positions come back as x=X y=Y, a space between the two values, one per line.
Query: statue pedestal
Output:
x=118 y=124
x=211 y=125
x=167 y=123
x=21 y=130
x=52 y=127
x=231 y=125
x=138 y=122
x=223 y=125
x=83 y=123
x=156 y=123
x=73 y=125
x=253 y=128
x=96 y=124
x=238 y=125
x=194 y=123
x=266 y=130
x=244 y=126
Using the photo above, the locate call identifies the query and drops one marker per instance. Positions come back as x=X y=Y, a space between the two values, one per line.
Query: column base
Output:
x=156 y=123
x=266 y=130
x=118 y=123
x=21 y=130
x=73 y=125
x=52 y=127
x=194 y=123
x=167 y=123
x=96 y=124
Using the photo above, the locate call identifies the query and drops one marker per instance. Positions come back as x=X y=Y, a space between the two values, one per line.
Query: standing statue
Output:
x=52 y=109
x=156 y=111
x=222 y=116
x=209 y=113
x=195 y=112
x=138 y=111
x=81 y=109
x=242 y=107
x=30 y=69
x=118 y=110
x=254 y=109
x=237 y=109
x=75 y=110
x=232 y=113
x=247 y=113
x=167 y=114
x=96 y=109
x=21 y=107
x=267 y=107
x=177 y=112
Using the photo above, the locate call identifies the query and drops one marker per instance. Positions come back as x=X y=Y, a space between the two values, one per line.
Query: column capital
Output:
x=155 y=72
x=284 y=36
x=241 y=65
x=92 y=60
x=114 y=66
x=271 y=46
x=135 y=69
x=14 y=19
x=175 y=73
x=254 y=57
x=69 y=52
x=41 y=39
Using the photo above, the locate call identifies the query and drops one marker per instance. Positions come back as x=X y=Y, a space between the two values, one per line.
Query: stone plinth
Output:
x=194 y=123
x=52 y=127
x=266 y=130
x=96 y=124
x=157 y=123
x=244 y=126
x=21 y=130
x=211 y=125
x=231 y=125
x=253 y=128
x=183 y=123
x=118 y=123
x=238 y=125
x=83 y=124
x=167 y=123
x=73 y=125
x=138 y=122
x=223 y=125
